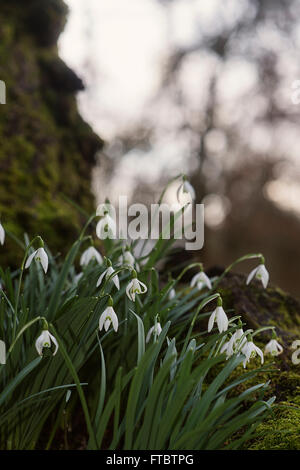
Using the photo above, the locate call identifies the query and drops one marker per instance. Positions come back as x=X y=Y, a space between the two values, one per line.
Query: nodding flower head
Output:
x=201 y=280
x=155 y=330
x=90 y=254
x=220 y=317
x=39 y=255
x=135 y=287
x=2 y=234
x=108 y=317
x=172 y=293
x=250 y=350
x=44 y=341
x=185 y=192
x=260 y=273
x=273 y=348
x=128 y=258
x=234 y=344
x=107 y=273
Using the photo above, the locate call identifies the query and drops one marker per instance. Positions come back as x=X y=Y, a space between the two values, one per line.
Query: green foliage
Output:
x=175 y=391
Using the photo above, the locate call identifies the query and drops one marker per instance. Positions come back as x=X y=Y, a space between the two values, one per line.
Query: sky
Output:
x=119 y=49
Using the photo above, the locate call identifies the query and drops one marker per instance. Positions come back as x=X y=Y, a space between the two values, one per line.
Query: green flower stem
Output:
x=239 y=260
x=86 y=226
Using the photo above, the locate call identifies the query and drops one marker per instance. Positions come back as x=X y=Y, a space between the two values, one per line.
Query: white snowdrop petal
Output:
x=101 y=278
x=194 y=280
x=2 y=234
x=29 y=259
x=54 y=341
x=41 y=253
x=211 y=321
x=149 y=334
x=116 y=281
x=251 y=276
x=264 y=275
x=2 y=352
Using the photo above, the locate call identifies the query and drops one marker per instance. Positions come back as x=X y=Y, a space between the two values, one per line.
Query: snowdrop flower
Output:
x=172 y=294
x=273 y=348
x=250 y=350
x=106 y=227
x=201 y=280
x=295 y=358
x=185 y=191
x=220 y=317
x=155 y=330
x=234 y=344
x=135 y=287
x=107 y=273
x=39 y=255
x=2 y=352
x=2 y=234
x=259 y=273
x=128 y=258
x=108 y=317
x=90 y=254
x=44 y=341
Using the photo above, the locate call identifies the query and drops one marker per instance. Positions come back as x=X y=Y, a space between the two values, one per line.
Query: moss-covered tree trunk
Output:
x=47 y=150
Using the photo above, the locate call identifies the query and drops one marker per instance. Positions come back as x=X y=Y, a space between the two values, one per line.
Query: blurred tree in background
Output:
x=225 y=99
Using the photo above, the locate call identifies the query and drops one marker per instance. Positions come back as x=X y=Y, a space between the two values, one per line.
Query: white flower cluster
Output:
x=240 y=341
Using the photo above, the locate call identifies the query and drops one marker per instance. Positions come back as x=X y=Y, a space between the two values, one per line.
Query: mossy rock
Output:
x=47 y=150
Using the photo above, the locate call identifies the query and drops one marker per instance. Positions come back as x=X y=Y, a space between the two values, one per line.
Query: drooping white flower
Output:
x=39 y=255
x=185 y=193
x=2 y=234
x=108 y=317
x=107 y=273
x=44 y=341
x=155 y=330
x=220 y=317
x=90 y=254
x=296 y=354
x=260 y=273
x=2 y=352
x=201 y=280
x=135 y=287
x=128 y=258
x=273 y=348
x=234 y=344
x=172 y=294
x=250 y=350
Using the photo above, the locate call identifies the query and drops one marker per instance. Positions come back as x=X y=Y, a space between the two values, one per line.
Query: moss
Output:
x=262 y=307
x=47 y=150
x=281 y=431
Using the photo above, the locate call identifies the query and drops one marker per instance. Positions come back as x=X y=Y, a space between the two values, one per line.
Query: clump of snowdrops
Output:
x=101 y=331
